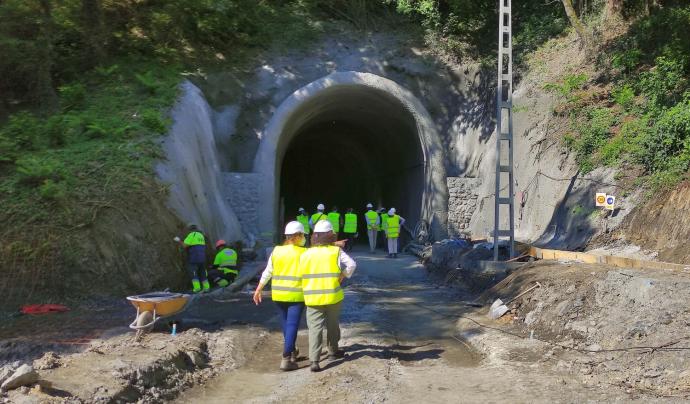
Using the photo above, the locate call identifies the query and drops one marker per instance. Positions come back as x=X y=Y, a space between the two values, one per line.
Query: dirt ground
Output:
x=408 y=339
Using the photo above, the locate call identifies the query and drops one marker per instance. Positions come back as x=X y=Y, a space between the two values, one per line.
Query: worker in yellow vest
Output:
x=318 y=216
x=335 y=219
x=322 y=269
x=392 y=226
x=350 y=229
x=303 y=218
x=224 y=269
x=373 y=222
x=195 y=245
x=382 y=219
x=282 y=270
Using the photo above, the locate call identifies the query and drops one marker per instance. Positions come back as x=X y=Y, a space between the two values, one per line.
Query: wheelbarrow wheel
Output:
x=145 y=317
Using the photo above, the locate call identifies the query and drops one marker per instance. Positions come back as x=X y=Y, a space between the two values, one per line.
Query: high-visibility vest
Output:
x=334 y=218
x=350 y=223
x=286 y=283
x=373 y=217
x=383 y=218
x=226 y=260
x=320 y=272
x=317 y=217
x=305 y=222
x=393 y=226
x=195 y=238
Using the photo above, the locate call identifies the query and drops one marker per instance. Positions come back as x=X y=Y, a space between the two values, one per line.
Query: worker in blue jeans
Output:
x=286 y=288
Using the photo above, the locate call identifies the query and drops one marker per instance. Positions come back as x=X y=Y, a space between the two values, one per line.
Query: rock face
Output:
x=23 y=376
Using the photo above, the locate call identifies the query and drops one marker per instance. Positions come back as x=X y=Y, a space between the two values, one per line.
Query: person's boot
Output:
x=390 y=255
x=294 y=355
x=196 y=286
x=206 y=286
x=395 y=255
x=338 y=354
x=315 y=367
x=287 y=364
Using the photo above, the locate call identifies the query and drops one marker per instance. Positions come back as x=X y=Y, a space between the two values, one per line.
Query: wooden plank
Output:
x=615 y=261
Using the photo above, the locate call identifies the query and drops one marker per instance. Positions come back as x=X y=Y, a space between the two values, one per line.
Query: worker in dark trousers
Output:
x=195 y=245
x=350 y=229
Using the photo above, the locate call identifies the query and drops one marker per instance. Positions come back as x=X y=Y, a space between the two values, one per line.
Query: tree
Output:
x=575 y=22
x=44 y=92
x=613 y=10
x=94 y=35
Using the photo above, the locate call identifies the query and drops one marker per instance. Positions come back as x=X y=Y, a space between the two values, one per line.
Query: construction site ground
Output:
x=589 y=333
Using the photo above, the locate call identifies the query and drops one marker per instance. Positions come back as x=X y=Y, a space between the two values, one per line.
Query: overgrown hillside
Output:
x=85 y=86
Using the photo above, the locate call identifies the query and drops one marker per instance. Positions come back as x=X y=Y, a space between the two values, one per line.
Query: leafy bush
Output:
x=624 y=96
x=667 y=144
x=72 y=95
x=22 y=132
x=663 y=84
x=34 y=171
x=567 y=88
x=53 y=191
x=151 y=119
x=627 y=60
x=594 y=133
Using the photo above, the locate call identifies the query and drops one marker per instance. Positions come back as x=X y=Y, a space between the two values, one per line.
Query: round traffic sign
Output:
x=601 y=199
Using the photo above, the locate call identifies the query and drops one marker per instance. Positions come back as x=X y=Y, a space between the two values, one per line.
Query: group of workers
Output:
x=221 y=273
x=305 y=272
x=386 y=222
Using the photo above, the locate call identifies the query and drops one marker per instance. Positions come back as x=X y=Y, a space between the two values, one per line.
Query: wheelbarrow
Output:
x=154 y=306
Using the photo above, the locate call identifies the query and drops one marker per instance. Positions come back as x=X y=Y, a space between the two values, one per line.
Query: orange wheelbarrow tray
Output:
x=159 y=304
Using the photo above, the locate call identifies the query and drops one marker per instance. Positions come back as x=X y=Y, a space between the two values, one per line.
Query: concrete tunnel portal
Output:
x=348 y=139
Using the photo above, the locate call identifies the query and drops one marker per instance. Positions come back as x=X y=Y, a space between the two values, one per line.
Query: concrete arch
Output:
x=306 y=104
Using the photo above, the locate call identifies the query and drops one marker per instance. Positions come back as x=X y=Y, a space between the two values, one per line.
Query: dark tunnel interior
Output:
x=353 y=145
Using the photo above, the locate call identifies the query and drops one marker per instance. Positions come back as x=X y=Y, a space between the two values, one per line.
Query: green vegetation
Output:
x=646 y=119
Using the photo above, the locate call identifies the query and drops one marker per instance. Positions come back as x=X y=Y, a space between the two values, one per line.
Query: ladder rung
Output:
x=506 y=136
x=504 y=233
x=506 y=77
x=504 y=201
x=505 y=169
x=506 y=104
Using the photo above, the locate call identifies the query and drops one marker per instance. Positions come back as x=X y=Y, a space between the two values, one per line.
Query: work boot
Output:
x=390 y=255
x=315 y=367
x=294 y=355
x=395 y=255
x=196 y=286
x=206 y=286
x=287 y=364
x=336 y=355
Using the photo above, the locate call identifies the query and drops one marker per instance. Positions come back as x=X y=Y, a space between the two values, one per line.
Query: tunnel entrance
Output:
x=361 y=147
x=346 y=140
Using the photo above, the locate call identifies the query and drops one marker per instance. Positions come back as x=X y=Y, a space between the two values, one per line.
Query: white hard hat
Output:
x=369 y=205
x=300 y=210
x=320 y=207
x=294 y=227
x=391 y=211
x=323 y=226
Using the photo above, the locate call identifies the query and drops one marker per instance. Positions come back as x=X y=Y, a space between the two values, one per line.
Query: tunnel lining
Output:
x=309 y=105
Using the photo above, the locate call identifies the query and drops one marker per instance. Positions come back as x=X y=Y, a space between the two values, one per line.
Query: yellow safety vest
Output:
x=393 y=226
x=334 y=218
x=286 y=283
x=350 y=223
x=372 y=216
x=226 y=259
x=383 y=217
x=305 y=222
x=317 y=217
x=320 y=272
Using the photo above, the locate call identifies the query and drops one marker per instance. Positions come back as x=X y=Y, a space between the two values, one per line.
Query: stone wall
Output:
x=241 y=191
x=462 y=203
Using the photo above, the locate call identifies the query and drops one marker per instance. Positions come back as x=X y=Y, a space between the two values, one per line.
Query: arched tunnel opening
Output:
x=348 y=146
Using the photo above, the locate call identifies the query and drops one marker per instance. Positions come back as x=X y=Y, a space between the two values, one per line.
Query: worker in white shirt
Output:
x=391 y=225
x=373 y=223
x=322 y=268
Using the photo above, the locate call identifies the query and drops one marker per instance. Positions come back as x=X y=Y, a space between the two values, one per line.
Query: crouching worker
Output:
x=286 y=288
x=224 y=270
x=322 y=268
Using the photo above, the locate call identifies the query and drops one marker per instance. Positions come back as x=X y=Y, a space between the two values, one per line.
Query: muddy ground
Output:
x=408 y=339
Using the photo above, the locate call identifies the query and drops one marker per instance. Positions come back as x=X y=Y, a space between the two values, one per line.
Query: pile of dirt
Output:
x=662 y=224
x=612 y=326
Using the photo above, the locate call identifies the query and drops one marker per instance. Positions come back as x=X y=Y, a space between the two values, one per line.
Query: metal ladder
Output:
x=504 y=130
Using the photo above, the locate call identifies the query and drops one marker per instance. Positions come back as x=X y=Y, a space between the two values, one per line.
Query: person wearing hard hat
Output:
x=282 y=270
x=303 y=218
x=382 y=222
x=392 y=226
x=224 y=269
x=373 y=223
x=334 y=218
x=195 y=244
x=318 y=216
x=322 y=269
x=350 y=228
